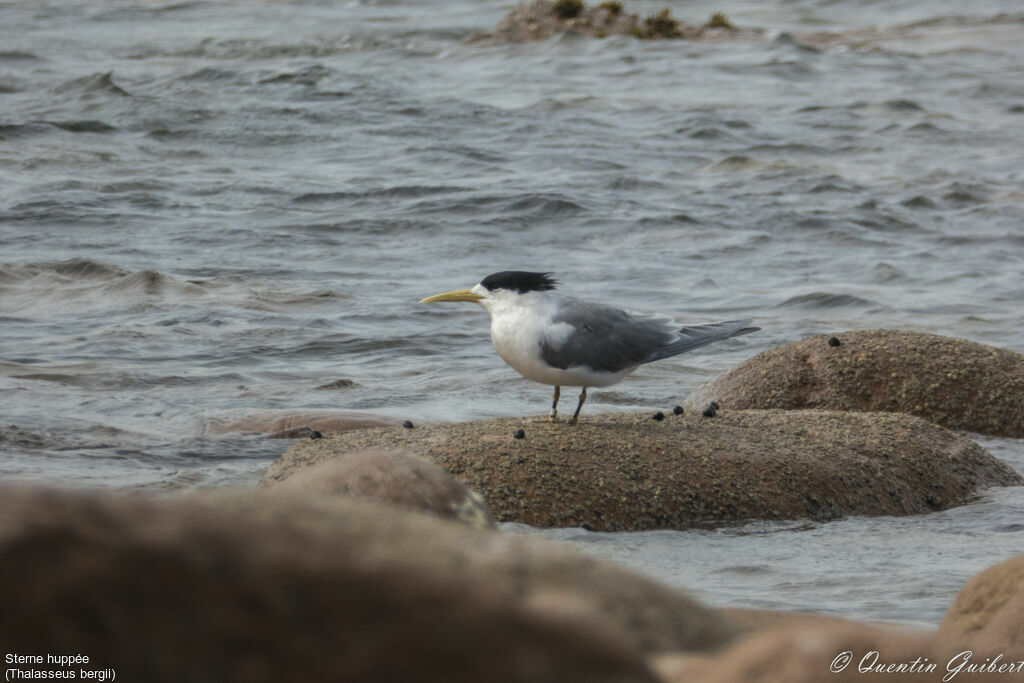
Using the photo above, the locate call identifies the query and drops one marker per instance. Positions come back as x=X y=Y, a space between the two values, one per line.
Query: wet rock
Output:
x=543 y=19
x=393 y=478
x=953 y=382
x=987 y=616
x=320 y=589
x=614 y=472
x=281 y=424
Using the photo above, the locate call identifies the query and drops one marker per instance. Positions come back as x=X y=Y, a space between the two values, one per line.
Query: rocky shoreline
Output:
x=372 y=554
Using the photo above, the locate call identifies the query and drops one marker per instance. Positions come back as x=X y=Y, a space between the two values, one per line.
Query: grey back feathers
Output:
x=608 y=339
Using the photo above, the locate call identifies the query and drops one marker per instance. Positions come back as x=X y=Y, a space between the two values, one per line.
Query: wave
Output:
x=82 y=284
x=93 y=83
x=398 y=192
x=826 y=300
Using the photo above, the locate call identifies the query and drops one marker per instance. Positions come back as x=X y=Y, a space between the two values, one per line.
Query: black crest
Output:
x=519 y=281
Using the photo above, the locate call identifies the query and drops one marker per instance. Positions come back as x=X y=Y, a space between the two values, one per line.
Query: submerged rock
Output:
x=543 y=19
x=953 y=382
x=394 y=478
x=294 y=425
x=320 y=589
x=628 y=472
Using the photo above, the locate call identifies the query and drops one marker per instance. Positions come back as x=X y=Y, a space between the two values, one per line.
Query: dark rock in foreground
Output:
x=953 y=382
x=261 y=587
x=276 y=587
x=628 y=472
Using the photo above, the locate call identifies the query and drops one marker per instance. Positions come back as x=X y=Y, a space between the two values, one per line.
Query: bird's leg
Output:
x=553 y=415
x=583 y=397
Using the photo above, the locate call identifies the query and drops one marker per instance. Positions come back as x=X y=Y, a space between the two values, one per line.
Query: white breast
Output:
x=520 y=324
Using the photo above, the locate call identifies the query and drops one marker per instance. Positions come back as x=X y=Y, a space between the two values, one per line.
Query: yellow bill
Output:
x=457 y=295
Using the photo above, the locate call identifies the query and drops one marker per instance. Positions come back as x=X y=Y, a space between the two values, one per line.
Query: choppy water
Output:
x=213 y=209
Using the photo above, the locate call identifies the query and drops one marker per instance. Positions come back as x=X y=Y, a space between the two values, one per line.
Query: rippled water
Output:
x=215 y=209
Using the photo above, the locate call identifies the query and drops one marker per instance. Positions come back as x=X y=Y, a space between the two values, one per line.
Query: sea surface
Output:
x=211 y=210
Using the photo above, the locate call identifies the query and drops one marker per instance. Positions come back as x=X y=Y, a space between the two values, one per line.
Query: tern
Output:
x=562 y=341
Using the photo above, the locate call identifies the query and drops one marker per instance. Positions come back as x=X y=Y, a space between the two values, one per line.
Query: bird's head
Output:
x=498 y=287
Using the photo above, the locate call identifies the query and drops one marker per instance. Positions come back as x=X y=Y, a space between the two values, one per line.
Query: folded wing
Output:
x=609 y=339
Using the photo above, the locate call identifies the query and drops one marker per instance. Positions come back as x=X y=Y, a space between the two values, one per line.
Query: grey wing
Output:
x=611 y=340
x=604 y=338
x=695 y=336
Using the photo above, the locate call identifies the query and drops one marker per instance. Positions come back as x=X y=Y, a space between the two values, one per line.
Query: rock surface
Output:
x=628 y=472
x=953 y=382
x=320 y=589
x=393 y=478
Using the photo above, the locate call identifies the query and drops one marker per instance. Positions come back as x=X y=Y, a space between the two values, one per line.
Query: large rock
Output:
x=394 y=478
x=629 y=472
x=987 y=616
x=953 y=382
x=263 y=587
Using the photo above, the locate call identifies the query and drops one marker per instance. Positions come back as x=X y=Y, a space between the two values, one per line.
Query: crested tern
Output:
x=564 y=341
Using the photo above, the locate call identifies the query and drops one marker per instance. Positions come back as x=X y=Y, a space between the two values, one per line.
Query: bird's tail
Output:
x=695 y=336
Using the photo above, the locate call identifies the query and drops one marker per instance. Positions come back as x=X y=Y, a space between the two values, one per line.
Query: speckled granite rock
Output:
x=629 y=472
x=394 y=478
x=953 y=382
